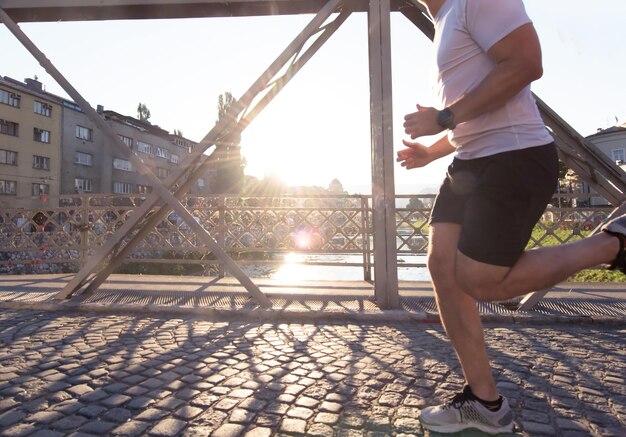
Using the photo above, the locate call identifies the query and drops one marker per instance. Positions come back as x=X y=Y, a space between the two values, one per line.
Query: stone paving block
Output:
x=293 y=426
x=94 y=396
x=240 y=393
x=187 y=412
x=117 y=415
x=92 y=410
x=226 y=404
x=407 y=425
x=98 y=427
x=170 y=403
x=268 y=420
x=116 y=400
x=327 y=418
x=11 y=417
x=19 y=430
x=69 y=423
x=168 y=427
x=253 y=404
x=259 y=432
x=7 y=403
x=44 y=417
x=239 y=415
x=320 y=430
x=229 y=430
x=152 y=414
x=131 y=428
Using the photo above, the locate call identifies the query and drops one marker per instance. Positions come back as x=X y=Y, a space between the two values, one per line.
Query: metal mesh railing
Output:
x=59 y=234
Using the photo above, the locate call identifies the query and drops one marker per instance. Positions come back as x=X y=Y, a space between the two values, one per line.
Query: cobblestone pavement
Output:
x=66 y=374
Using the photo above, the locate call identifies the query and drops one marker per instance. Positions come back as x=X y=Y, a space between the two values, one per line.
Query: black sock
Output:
x=490 y=405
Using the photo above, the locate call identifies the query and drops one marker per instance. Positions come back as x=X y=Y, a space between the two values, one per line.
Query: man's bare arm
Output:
x=518 y=63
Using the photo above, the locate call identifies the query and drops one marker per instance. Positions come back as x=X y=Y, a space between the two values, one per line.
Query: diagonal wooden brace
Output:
x=98 y=260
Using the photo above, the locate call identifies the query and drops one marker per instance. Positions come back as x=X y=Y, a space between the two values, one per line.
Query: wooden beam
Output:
x=383 y=192
x=86 y=10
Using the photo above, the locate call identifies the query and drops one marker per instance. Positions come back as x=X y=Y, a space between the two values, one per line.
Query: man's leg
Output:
x=536 y=269
x=458 y=311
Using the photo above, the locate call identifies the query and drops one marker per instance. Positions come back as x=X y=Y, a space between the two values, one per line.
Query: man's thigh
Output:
x=442 y=249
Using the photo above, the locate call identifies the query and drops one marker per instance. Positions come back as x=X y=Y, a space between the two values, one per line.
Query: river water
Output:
x=293 y=268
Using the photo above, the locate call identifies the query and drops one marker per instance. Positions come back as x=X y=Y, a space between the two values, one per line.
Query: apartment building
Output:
x=49 y=147
x=611 y=142
x=30 y=143
x=92 y=164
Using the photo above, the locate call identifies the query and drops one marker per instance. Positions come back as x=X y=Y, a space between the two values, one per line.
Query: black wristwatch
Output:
x=445 y=119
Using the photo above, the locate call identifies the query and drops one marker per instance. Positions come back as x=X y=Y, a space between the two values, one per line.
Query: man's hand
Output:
x=422 y=123
x=415 y=155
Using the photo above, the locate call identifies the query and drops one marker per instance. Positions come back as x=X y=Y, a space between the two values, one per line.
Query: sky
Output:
x=318 y=127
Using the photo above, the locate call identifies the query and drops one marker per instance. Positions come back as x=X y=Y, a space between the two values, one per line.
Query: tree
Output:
x=224 y=102
x=178 y=133
x=230 y=165
x=420 y=203
x=143 y=113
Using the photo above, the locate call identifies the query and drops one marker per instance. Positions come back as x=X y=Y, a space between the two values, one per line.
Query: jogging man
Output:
x=504 y=173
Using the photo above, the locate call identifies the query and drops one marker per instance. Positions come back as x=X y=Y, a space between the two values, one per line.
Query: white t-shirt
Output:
x=464 y=31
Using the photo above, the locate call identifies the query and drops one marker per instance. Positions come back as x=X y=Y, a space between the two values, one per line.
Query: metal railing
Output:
x=62 y=232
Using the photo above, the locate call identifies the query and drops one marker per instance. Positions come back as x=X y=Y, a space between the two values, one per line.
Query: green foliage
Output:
x=143 y=113
x=598 y=276
x=555 y=235
x=574 y=233
x=224 y=102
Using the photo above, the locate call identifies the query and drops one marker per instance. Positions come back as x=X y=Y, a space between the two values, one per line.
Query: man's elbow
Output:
x=535 y=71
x=527 y=72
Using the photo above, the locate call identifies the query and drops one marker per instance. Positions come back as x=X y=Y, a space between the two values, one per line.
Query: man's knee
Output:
x=481 y=284
x=440 y=266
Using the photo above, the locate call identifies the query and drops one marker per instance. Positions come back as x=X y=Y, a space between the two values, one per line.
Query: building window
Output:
x=200 y=183
x=144 y=189
x=41 y=189
x=8 y=157
x=122 y=188
x=41 y=162
x=162 y=152
x=82 y=185
x=183 y=144
x=8 y=187
x=81 y=158
x=84 y=133
x=174 y=158
x=127 y=140
x=619 y=155
x=162 y=173
x=145 y=148
x=9 y=98
x=43 y=136
x=122 y=164
x=9 y=128
x=43 y=109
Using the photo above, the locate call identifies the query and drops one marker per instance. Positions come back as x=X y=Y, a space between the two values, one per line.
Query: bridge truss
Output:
x=602 y=174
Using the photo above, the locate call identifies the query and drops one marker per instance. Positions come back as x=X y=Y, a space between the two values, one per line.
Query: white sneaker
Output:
x=464 y=411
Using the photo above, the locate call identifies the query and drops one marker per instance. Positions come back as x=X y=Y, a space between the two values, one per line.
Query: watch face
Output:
x=445 y=119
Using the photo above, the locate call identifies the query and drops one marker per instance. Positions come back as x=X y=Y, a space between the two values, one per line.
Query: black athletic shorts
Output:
x=497 y=200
